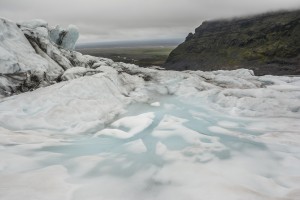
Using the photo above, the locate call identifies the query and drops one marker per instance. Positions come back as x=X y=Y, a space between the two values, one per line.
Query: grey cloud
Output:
x=132 y=19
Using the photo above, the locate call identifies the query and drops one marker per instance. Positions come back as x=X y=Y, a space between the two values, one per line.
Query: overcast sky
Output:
x=111 y=20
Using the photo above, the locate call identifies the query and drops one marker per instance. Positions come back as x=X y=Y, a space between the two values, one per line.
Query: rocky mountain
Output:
x=267 y=44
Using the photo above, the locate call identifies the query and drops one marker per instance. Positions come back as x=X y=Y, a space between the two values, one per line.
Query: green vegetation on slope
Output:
x=268 y=44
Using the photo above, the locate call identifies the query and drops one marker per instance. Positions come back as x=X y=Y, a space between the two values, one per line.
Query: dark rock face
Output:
x=267 y=44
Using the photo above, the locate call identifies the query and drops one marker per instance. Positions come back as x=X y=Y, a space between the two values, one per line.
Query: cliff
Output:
x=267 y=44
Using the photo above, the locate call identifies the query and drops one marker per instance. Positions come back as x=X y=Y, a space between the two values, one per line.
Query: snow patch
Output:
x=135 y=124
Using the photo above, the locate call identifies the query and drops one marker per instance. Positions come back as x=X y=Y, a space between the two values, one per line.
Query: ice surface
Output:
x=135 y=124
x=16 y=51
x=64 y=38
x=9 y=62
x=113 y=135
x=76 y=72
x=54 y=34
x=69 y=40
x=35 y=23
x=155 y=104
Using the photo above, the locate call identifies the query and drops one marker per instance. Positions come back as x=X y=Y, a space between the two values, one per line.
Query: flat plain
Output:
x=142 y=56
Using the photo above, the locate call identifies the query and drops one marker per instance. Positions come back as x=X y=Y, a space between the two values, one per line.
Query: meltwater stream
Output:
x=177 y=148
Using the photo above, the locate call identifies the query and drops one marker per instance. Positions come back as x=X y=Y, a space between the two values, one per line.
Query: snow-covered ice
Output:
x=156 y=104
x=101 y=137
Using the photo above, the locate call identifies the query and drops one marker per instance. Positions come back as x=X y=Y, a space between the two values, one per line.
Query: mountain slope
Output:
x=267 y=44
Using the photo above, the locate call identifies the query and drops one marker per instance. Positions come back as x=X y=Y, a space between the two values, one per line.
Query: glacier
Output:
x=92 y=128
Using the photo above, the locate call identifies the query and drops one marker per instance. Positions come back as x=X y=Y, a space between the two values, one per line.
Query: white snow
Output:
x=16 y=51
x=136 y=146
x=8 y=61
x=70 y=107
x=155 y=104
x=46 y=183
x=135 y=124
x=113 y=133
x=230 y=138
x=35 y=23
x=76 y=72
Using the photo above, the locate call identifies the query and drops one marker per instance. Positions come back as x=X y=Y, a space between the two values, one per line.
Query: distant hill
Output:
x=129 y=44
x=144 y=53
x=267 y=43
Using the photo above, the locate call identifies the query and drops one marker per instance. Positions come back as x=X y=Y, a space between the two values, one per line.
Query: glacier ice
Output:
x=108 y=130
x=100 y=136
x=54 y=34
x=76 y=72
x=9 y=62
x=64 y=38
x=70 y=38
x=33 y=24
x=33 y=50
x=15 y=47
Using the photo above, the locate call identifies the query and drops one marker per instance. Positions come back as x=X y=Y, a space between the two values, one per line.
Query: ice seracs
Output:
x=70 y=38
x=33 y=50
x=64 y=38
